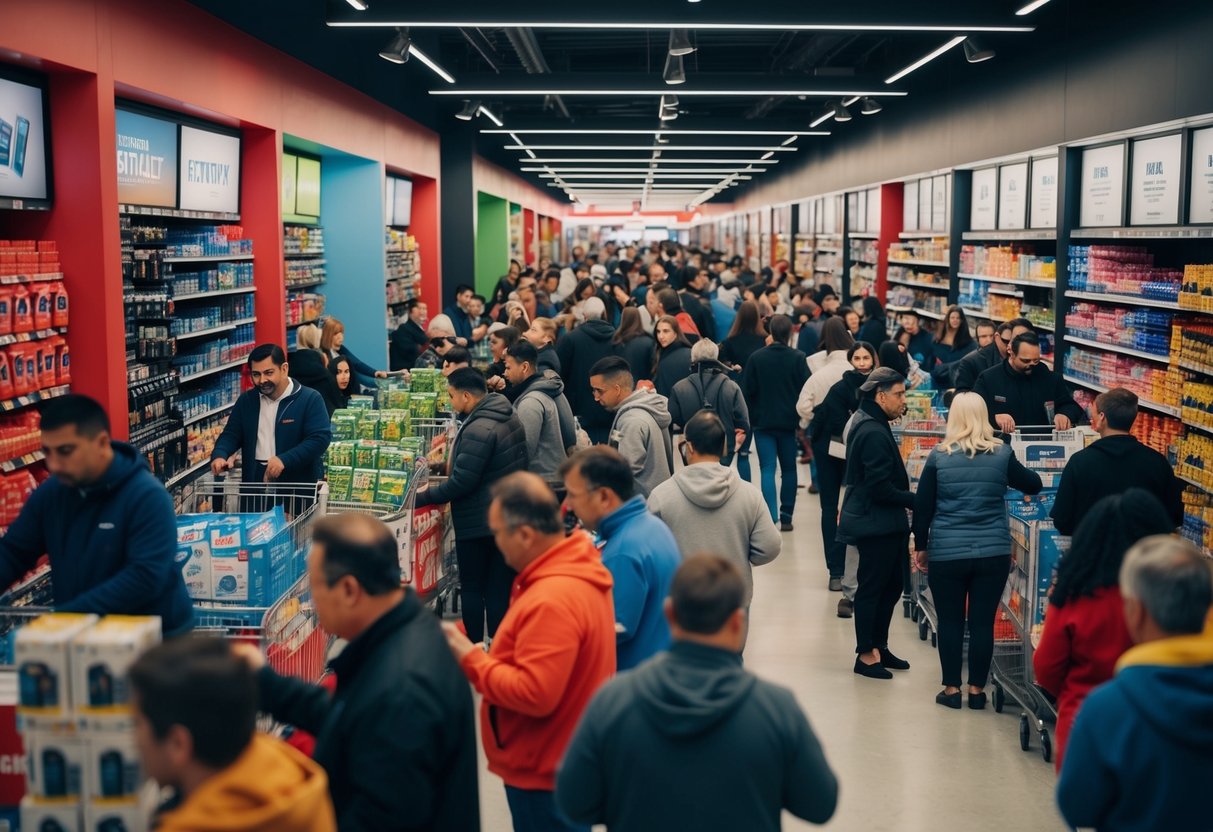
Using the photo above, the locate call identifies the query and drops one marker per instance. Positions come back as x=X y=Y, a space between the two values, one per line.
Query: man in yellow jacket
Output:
x=195 y=725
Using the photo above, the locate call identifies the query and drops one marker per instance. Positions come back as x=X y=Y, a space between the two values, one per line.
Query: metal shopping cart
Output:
x=24 y=602
x=917 y=437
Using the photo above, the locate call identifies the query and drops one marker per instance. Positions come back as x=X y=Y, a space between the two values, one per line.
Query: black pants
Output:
x=976 y=583
x=484 y=585
x=879 y=588
x=830 y=471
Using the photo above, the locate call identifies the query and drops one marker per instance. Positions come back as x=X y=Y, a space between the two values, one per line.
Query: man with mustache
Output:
x=280 y=427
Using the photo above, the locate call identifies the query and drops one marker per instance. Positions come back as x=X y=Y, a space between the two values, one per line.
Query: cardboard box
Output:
x=113 y=770
x=56 y=763
x=57 y=816
x=194 y=556
x=123 y=815
x=229 y=560
x=42 y=653
x=101 y=657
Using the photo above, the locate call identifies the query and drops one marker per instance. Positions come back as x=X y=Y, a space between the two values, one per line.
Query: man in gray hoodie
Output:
x=740 y=746
x=641 y=430
x=711 y=509
x=541 y=407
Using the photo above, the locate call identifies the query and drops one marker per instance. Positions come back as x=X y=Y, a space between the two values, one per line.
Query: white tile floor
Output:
x=903 y=762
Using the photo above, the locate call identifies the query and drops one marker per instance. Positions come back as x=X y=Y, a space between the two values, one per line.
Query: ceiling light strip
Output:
x=648 y=174
x=645 y=147
x=489 y=93
x=730 y=26
x=643 y=160
x=484 y=111
x=926 y=59
x=1031 y=7
x=431 y=63
x=579 y=131
x=826 y=116
x=722 y=171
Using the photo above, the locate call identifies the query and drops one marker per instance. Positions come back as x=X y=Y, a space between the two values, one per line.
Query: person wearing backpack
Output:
x=710 y=388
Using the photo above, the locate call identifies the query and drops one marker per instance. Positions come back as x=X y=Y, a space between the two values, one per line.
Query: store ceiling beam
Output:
x=639 y=85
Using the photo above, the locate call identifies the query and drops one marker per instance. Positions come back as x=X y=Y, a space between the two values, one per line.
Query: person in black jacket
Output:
x=709 y=384
x=634 y=345
x=409 y=340
x=398 y=737
x=490 y=444
x=970 y=368
x=771 y=383
x=308 y=367
x=1021 y=392
x=697 y=303
x=578 y=351
x=874 y=329
x=873 y=518
x=1113 y=465
x=673 y=362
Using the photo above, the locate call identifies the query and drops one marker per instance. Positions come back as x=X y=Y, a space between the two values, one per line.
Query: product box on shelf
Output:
x=50 y=816
x=123 y=815
x=56 y=763
x=113 y=770
x=42 y=654
x=101 y=657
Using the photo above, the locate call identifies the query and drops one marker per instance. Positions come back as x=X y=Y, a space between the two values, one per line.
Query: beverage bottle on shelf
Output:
x=6 y=310
x=23 y=313
x=40 y=299
x=46 y=357
x=60 y=307
x=22 y=381
x=6 y=377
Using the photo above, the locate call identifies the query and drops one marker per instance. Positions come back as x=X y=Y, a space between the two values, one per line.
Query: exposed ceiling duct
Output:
x=813 y=53
x=527 y=46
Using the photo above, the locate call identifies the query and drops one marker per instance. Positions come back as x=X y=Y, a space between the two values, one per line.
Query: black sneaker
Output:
x=846 y=608
x=977 y=701
x=892 y=662
x=785 y=525
x=872 y=671
x=949 y=700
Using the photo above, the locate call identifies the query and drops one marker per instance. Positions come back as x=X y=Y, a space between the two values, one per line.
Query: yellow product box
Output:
x=101 y=657
x=42 y=654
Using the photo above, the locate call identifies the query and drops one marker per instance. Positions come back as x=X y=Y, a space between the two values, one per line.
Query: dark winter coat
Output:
x=673 y=365
x=490 y=444
x=398 y=737
x=711 y=383
x=112 y=546
x=873 y=332
x=970 y=368
x=700 y=310
x=548 y=359
x=878 y=488
x=771 y=383
x=1025 y=397
x=737 y=349
x=1111 y=466
x=578 y=351
x=639 y=352
x=301 y=434
x=830 y=417
x=405 y=345
x=307 y=367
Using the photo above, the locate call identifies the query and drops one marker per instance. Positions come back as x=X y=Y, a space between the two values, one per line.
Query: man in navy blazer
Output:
x=280 y=427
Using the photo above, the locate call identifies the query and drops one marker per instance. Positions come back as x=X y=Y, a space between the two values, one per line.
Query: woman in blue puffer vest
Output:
x=961 y=530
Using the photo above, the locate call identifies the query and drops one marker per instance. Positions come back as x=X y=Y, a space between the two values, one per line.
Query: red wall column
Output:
x=261 y=216
x=424 y=227
x=891 y=218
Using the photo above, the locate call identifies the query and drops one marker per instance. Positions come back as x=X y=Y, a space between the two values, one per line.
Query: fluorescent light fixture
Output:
x=720 y=171
x=975 y=52
x=470 y=108
x=648 y=174
x=870 y=107
x=848 y=102
x=667 y=102
x=657 y=91
x=362 y=5
x=647 y=147
x=674 y=73
x=925 y=59
x=680 y=42
x=825 y=116
x=768 y=154
x=398 y=48
x=689 y=187
x=615 y=160
x=484 y=111
x=432 y=64
x=1031 y=7
x=530 y=153
x=841 y=113
x=613 y=131
x=515 y=138
x=789 y=140
x=730 y=26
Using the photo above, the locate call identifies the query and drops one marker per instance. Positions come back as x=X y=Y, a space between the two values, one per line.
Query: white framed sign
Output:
x=1013 y=196
x=210 y=171
x=924 y=205
x=1044 y=193
x=909 y=207
x=831 y=215
x=1102 y=191
x=1200 y=207
x=874 y=210
x=1155 y=179
x=984 y=200
x=939 y=204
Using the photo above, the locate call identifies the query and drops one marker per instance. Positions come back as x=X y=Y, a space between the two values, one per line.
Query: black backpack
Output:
x=708 y=403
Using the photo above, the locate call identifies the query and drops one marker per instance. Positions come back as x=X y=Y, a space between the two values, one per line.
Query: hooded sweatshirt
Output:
x=710 y=508
x=827 y=370
x=1111 y=466
x=641 y=434
x=270 y=788
x=554 y=649
x=538 y=405
x=690 y=740
x=642 y=555
x=578 y=351
x=1140 y=755
x=112 y=545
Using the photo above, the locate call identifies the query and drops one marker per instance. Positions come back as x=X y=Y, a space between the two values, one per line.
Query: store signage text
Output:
x=209 y=173
x=135 y=159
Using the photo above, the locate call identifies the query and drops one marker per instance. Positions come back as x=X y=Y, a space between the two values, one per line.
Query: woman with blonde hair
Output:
x=961 y=531
x=309 y=366
x=332 y=344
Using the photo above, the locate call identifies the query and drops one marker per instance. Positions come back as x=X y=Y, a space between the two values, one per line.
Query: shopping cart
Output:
x=287 y=630
x=24 y=602
x=916 y=439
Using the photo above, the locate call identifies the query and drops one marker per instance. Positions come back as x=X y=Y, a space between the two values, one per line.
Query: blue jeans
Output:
x=781 y=445
x=535 y=811
x=743 y=457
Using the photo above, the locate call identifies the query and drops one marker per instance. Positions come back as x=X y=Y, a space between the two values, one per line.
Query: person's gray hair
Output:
x=307 y=337
x=593 y=309
x=704 y=350
x=1172 y=579
x=525 y=500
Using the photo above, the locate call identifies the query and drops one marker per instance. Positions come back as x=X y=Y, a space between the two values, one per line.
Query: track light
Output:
x=822 y=117
x=975 y=53
x=398 y=50
x=674 y=72
x=669 y=115
x=680 y=42
x=362 y=5
x=469 y=111
x=487 y=113
x=869 y=106
x=669 y=102
x=841 y=113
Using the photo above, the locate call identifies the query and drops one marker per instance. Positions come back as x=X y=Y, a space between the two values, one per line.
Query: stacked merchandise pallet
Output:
x=303 y=250
x=999 y=283
x=863 y=256
x=189 y=313
x=403 y=275
x=918 y=276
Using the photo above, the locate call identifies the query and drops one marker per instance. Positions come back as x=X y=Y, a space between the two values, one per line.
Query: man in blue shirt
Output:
x=639 y=550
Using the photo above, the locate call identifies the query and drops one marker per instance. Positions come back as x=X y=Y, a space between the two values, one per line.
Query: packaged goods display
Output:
x=1009 y=262
x=1122 y=270
x=245 y=559
x=933 y=250
x=303 y=250
x=403 y=274
x=1143 y=329
x=1154 y=383
x=1196 y=292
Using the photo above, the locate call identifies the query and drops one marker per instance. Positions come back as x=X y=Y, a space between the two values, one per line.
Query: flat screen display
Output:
x=402 y=202
x=24 y=167
x=147 y=160
x=210 y=171
x=307 y=187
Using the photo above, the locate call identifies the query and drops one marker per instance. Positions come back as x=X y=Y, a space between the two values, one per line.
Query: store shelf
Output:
x=218 y=293
x=1205 y=429
x=828 y=250
x=24 y=337
x=922 y=235
x=861 y=261
x=212 y=370
x=980 y=313
x=1109 y=347
x=33 y=398
x=1039 y=234
x=310 y=284
x=1194 y=367
x=864 y=235
x=889 y=307
x=903 y=282
x=1006 y=293
x=210 y=258
x=931 y=264
x=1014 y=281
x=316 y=321
x=145 y=211
x=305 y=255
x=1162 y=232
x=1045 y=327
x=215 y=329
x=17 y=463
x=1146 y=403
x=1100 y=297
x=1194 y=483
x=212 y=412
x=14 y=279
x=926 y=313
x=188 y=472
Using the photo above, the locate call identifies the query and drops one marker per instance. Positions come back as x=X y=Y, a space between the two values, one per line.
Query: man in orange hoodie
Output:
x=195 y=726
x=554 y=648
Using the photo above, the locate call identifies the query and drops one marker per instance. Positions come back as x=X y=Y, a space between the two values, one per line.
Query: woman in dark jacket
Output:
x=952 y=343
x=673 y=355
x=873 y=329
x=635 y=345
x=332 y=344
x=308 y=367
x=745 y=338
x=343 y=380
x=960 y=528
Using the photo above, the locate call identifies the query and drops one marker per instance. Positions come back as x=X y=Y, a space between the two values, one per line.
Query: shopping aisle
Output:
x=904 y=763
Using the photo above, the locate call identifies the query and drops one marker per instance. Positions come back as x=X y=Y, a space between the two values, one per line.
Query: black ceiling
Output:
x=492 y=46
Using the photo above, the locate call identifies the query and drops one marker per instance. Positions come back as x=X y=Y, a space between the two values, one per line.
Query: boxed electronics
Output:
x=42 y=653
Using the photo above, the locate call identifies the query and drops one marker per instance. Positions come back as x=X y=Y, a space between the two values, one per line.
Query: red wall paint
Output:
x=425 y=228
x=891 y=218
x=261 y=216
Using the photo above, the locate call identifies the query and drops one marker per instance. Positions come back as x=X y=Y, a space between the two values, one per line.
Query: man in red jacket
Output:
x=554 y=648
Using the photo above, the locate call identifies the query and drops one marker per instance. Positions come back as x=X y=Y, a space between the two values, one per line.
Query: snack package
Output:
x=391 y=487
x=368 y=425
x=340 y=477
x=344 y=424
x=397 y=399
x=395 y=458
x=394 y=425
x=423 y=405
x=362 y=485
x=366 y=454
x=341 y=453
x=362 y=402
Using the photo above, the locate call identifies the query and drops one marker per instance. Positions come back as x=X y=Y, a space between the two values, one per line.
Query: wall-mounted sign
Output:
x=924 y=205
x=984 y=200
x=147 y=160
x=289 y=174
x=1013 y=196
x=939 y=203
x=210 y=171
x=1201 y=201
x=1102 y=191
x=23 y=146
x=874 y=210
x=1044 y=193
x=1157 y=171
x=307 y=188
